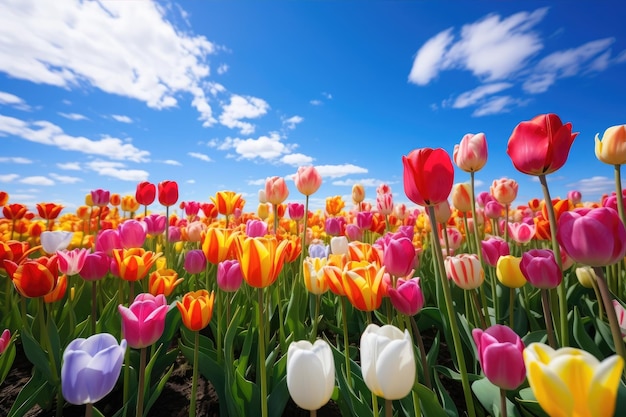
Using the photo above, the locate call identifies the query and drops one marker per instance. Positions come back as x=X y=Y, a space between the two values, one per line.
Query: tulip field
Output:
x=356 y=304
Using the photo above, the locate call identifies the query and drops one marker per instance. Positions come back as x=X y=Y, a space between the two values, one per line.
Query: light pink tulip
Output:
x=276 y=190
x=471 y=153
x=72 y=261
x=308 y=180
x=521 y=233
x=621 y=316
x=465 y=270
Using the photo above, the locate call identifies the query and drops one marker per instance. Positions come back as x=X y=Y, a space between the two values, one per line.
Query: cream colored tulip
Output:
x=612 y=148
x=310 y=373
x=387 y=361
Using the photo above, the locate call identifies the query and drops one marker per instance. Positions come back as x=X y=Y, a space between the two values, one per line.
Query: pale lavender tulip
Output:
x=55 y=241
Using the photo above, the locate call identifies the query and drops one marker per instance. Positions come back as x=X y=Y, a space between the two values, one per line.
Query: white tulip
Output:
x=56 y=240
x=387 y=361
x=310 y=373
x=339 y=245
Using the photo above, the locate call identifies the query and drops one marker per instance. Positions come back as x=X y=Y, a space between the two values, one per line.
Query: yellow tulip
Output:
x=612 y=148
x=509 y=272
x=314 y=276
x=261 y=259
x=571 y=382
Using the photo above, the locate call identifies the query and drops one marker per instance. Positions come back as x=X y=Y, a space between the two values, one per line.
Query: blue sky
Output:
x=221 y=95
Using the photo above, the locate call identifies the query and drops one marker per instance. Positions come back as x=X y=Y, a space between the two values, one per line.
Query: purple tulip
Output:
x=195 y=261
x=407 y=297
x=318 y=250
x=91 y=368
x=493 y=248
x=354 y=232
x=95 y=267
x=144 y=321
x=540 y=269
x=500 y=354
x=334 y=226
x=132 y=233
x=174 y=234
x=229 y=275
x=256 y=228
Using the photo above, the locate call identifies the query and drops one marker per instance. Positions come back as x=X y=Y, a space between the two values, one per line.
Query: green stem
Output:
x=478 y=307
x=142 y=374
x=422 y=349
x=596 y=290
x=561 y=289
x=346 y=340
x=47 y=345
x=275 y=209
x=618 y=193
x=511 y=307
x=262 y=357
x=454 y=327
x=547 y=315
x=318 y=298
x=219 y=326
x=94 y=305
x=494 y=292
x=194 y=377
x=502 y=402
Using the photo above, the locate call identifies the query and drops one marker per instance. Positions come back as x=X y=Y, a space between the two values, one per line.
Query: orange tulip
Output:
x=58 y=292
x=163 y=281
x=334 y=205
x=361 y=251
x=115 y=199
x=217 y=244
x=49 y=211
x=196 y=309
x=134 y=263
x=34 y=277
x=362 y=282
x=227 y=201
x=4 y=198
x=261 y=259
x=129 y=204
x=560 y=207
x=293 y=249
x=14 y=211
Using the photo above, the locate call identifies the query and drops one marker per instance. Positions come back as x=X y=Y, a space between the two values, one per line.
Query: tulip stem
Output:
x=88 y=409
x=454 y=327
x=346 y=339
x=618 y=193
x=142 y=374
x=315 y=317
x=610 y=314
x=194 y=377
x=547 y=315
x=511 y=307
x=494 y=293
x=313 y=413
x=388 y=408
x=422 y=349
x=481 y=316
x=596 y=290
x=561 y=289
x=502 y=402
x=262 y=369
x=94 y=306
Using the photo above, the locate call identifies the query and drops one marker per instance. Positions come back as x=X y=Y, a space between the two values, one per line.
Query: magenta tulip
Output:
x=132 y=233
x=407 y=297
x=540 y=269
x=500 y=354
x=95 y=266
x=100 y=197
x=155 y=224
x=4 y=340
x=296 y=211
x=493 y=248
x=364 y=219
x=195 y=261
x=399 y=256
x=256 y=228
x=144 y=321
x=594 y=237
x=229 y=275
x=107 y=240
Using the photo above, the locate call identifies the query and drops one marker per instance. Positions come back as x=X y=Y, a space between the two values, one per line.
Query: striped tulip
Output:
x=362 y=282
x=134 y=264
x=261 y=260
x=196 y=309
x=465 y=270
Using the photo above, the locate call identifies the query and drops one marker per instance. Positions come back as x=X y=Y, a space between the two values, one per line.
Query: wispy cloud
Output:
x=121 y=118
x=13 y=101
x=241 y=107
x=222 y=69
x=15 y=160
x=365 y=182
x=337 y=171
x=73 y=116
x=200 y=156
x=117 y=170
x=296 y=159
x=46 y=133
x=172 y=162
x=47 y=45
x=8 y=177
x=592 y=188
x=37 y=180
x=69 y=166
x=66 y=179
x=291 y=122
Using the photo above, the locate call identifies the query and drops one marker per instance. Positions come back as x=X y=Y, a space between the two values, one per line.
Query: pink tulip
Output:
x=540 y=146
x=354 y=232
x=229 y=275
x=500 y=354
x=334 y=226
x=521 y=233
x=574 y=196
x=155 y=224
x=364 y=219
x=483 y=198
x=296 y=211
x=174 y=234
x=455 y=238
x=144 y=321
x=384 y=203
x=100 y=197
x=195 y=230
x=4 y=340
x=95 y=266
x=465 y=270
x=276 y=190
x=308 y=180
x=256 y=228
x=493 y=210
x=594 y=237
x=471 y=153
x=493 y=248
x=540 y=269
x=399 y=256
x=132 y=233
x=407 y=297
x=72 y=261
x=107 y=240
x=191 y=208
x=620 y=312
x=195 y=261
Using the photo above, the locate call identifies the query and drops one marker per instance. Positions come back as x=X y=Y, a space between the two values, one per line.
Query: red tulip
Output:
x=540 y=146
x=168 y=193
x=145 y=193
x=428 y=176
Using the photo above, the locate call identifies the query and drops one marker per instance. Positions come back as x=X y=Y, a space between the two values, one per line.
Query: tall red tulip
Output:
x=540 y=146
x=145 y=194
x=168 y=193
x=428 y=176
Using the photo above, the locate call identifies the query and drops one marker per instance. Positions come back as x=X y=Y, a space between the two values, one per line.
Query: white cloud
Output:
x=15 y=160
x=291 y=122
x=47 y=133
x=296 y=159
x=428 y=60
x=200 y=156
x=365 y=182
x=241 y=107
x=337 y=171
x=103 y=44
x=73 y=116
x=8 y=177
x=117 y=170
x=222 y=69
x=13 y=101
x=65 y=179
x=190 y=181
x=496 y=105
x=37 y=180
x=471 y=97
x=592 y=188
x=172 y=162
x=121 y=118
x=327 y=95
x=70 y=166
x=265 y=147
x=316 y=102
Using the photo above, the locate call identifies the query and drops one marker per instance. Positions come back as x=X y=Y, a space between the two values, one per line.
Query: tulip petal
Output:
x=549 y=390
x=306 y=380
x=603 y=389
x=395 y=369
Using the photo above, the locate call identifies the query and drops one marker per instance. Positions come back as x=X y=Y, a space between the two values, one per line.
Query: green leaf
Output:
x=446 y=400
x=429 y=403
x=55 y=344
x=157 y=389
x=582 y=337
x=36 y=355
x=7 y=358
x=29 y=394
x=528 y=402
x=489 y=396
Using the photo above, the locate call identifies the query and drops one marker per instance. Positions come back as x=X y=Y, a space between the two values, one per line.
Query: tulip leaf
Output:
x=29 y=394
x=528 y=402
x=429 y=403
x=605 y=331
x=620 y=403
x=433 y=352
x=109 y=321
x=6 y=359
x=96 y=412
x=489 y=396
x=446 y=400
x=157 y=389
x=582 y=337
x=36 y=355
x=172 y=324
x=55 y=344
x=536 y=336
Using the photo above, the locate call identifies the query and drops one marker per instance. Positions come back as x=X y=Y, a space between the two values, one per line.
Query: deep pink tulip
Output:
x=72 y=261
x=428 y=176
x=95 y=266
x=296 y=211
x=256 y=228
x=500 y=354
x=540 y=269
x=100 y=197
x=594 y=237
x=493 y=210
x=155 y=224
x=364 y=219
x=471 y=153
x=407 y=297
x=144 y=321
x=308 y=180
x=540 y=146
x=521 y=233
x=493 y=248
x=229 y=275
x=195 y=261
x=107 y=240
x=399 y=256
x=575 y=197
x=4 y=340
x=611 y=201
x=132 y=233
x=483 y=198
x=334 y=226
x=174 y=234
x=191 y=208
